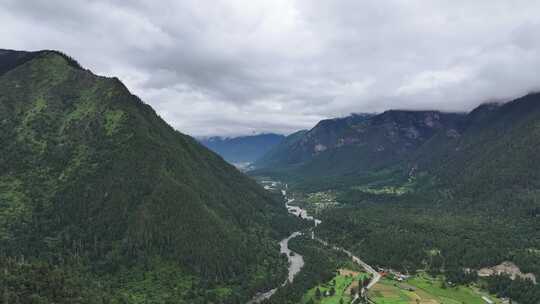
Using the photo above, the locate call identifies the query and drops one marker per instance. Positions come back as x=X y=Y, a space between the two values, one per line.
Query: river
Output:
x=296 y=261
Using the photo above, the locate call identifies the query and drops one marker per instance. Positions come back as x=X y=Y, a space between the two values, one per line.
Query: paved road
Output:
x=376 y=276
x=357 y=260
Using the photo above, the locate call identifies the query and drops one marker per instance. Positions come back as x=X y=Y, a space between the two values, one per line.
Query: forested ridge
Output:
x=102 y=202
x=449 y=197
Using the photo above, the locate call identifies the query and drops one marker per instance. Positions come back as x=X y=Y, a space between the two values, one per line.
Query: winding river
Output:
x=296 y=261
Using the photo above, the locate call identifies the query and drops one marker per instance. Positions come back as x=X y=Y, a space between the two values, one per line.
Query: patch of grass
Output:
x=340 y=283
x=448 y=295
x=428 y=290
x=13 y=204
x=35 y=118
x=83 y=109
x=39 y=105
x=77 y=163
x=385 y=292
x=113 y=121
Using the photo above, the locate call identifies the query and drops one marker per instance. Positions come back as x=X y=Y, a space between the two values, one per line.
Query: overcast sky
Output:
x=238 y=67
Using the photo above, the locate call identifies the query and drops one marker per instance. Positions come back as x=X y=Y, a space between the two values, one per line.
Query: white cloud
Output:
x=433 y=80
x=237 y=67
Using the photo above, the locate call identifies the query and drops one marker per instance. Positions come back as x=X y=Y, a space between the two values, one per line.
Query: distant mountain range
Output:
x=243 y=149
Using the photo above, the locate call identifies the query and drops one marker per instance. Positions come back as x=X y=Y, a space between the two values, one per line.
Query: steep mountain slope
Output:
x=97 y=190
x=242 y=149
x=327 y=134
x=280 y=151
x=495 y=155
x=475 y=154
x=358 y=144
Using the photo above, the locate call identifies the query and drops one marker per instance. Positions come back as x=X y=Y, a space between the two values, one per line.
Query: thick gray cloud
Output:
x=233 y=67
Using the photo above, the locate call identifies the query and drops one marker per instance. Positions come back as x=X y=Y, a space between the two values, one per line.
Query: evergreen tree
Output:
x=317 y=293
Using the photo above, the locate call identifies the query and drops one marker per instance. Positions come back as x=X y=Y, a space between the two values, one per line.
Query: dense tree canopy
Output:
x=97 y=190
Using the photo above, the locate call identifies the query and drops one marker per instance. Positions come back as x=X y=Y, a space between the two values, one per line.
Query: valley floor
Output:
x=419 y=289
x=341 y=288
x=386 y=289
x=423 y=289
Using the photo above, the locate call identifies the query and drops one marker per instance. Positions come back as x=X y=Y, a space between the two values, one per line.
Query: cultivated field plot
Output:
x=341 y=283
x=425 y=290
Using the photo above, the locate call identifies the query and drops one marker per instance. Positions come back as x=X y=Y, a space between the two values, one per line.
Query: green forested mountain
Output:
x=354 y=146
x=446 y=197
x=493 y=145
x=102 y=202
x=305 y=145
x=495 y=157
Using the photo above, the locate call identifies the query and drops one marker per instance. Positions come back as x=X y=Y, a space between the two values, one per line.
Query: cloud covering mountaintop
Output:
x=237 y=67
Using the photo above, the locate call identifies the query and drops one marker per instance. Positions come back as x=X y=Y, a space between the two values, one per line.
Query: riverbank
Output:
x=295 y=260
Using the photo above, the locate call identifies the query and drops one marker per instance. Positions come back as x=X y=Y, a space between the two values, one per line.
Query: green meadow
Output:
x=427 y=290
x=341 y=283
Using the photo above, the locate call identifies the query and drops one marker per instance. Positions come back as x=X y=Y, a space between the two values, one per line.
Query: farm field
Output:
x=342 y=283
x=423 y=289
